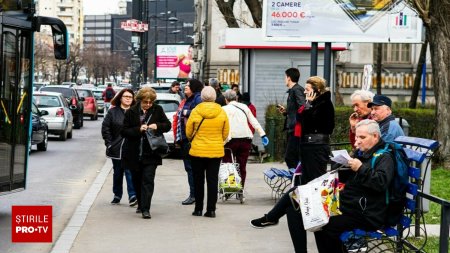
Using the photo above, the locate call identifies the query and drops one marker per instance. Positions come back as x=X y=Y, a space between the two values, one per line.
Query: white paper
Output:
x=340 y=156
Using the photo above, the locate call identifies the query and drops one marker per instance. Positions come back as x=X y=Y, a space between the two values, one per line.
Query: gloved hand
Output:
x=265 y=140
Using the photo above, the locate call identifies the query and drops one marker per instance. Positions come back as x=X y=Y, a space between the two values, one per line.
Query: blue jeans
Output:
x=118 y=180
x=188 y=167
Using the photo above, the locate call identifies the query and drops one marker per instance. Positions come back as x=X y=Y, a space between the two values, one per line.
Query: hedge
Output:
x=421 y=124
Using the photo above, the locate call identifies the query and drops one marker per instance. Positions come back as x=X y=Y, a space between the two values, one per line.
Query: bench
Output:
x=395 y=239
x=278 y=180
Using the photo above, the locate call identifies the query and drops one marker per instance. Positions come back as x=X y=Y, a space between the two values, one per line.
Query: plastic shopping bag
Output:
x=318 y=200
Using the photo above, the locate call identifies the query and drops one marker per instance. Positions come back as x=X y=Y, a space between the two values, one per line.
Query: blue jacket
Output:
x=190 y=104
x=390 y=129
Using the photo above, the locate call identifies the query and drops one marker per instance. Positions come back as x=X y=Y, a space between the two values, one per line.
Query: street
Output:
x=58 y=177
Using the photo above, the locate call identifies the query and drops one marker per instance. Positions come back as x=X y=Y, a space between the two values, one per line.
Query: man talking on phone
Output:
x=296 y=98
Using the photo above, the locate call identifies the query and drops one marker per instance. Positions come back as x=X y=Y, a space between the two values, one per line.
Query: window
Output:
x=394 y=53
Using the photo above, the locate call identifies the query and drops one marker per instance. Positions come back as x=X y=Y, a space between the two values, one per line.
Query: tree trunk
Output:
x=416 y=87
x=379 y=65
x=226 y=8
x=438 y=34
x=256 y=10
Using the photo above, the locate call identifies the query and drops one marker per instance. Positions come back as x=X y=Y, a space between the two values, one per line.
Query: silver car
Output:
x=59 y=118
x=169 y=103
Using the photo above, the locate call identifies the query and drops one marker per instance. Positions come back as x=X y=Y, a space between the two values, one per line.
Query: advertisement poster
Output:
x=373 y=21
x=173 y=61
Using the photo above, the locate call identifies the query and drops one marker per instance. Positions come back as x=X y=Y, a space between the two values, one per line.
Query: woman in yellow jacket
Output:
x=207 y=129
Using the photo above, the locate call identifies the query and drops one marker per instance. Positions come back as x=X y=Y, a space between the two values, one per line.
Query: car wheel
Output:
x=63 y=136
x=77 y=123
x=94 y=117
x=43 y=145
x=81 y=121
x=69 y=134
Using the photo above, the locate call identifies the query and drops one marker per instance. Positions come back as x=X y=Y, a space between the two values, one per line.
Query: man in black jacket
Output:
x=363 y=200
x=296 y=98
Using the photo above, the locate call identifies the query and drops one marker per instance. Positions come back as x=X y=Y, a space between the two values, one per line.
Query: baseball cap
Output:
x=380 y=100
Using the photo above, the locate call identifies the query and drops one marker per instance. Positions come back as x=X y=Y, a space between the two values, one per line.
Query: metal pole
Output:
x=167 y=19
x=314 y=56
x=327 y=63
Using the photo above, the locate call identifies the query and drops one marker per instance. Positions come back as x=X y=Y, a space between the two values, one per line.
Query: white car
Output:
x=158 y=87
x=59 y=118
x=169 y=103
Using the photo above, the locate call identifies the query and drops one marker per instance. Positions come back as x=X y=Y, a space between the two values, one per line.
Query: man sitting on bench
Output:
x=363 y=199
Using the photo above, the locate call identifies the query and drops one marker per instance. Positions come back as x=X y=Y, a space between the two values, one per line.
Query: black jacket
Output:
x=132 y=134
x=296 y=98
x=220 y=99
x=111 y=127
x=318 y=117
x=364 y=193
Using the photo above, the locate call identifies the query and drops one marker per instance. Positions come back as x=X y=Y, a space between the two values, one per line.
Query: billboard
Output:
x=173 y=61
x=373 y=21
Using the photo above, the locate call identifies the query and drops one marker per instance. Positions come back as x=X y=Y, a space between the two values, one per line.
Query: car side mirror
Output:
x=82 y=99
x=59 y=34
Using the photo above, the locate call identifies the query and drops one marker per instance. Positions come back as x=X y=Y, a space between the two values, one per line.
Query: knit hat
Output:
x=208 y=94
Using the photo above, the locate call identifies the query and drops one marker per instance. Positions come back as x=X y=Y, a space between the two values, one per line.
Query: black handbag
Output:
x=157 y=142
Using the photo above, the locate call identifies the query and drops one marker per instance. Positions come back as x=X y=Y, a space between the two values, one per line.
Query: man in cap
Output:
x=382 y=114
x=220 y=99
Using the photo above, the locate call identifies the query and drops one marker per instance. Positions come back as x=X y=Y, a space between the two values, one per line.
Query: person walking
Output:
x=220 y=99
x=111 y=126
x=107 y=95
x=239 y=140
x=296 y=98
x=207 y=128
x=193 y=98
x=144 y=116
x=175 y=88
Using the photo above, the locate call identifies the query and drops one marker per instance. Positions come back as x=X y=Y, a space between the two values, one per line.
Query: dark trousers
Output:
x=188 y=166
x=314 y=160
x=327 y=240
x=295 y=222
x=144 y=183
x=119 y=171
x=292 y=155
x=241 y=150
x=210 y=167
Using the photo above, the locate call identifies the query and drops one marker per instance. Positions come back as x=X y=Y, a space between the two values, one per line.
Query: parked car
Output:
x=158 y=87
x=59 y=117
x=75 y=102
x=39 y=126
x=100 y=103
x=169 y=103
x=89 y=103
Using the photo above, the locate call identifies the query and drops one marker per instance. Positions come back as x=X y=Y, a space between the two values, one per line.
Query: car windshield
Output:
x=47 y=101
x=67 y=93
x=84 y=93
x=97 y=94
x=168 y=105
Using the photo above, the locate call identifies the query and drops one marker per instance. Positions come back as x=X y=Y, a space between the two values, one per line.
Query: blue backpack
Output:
x=396 y=193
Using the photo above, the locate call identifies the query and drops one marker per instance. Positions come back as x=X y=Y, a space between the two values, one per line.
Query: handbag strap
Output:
x=241 y=111
x=193 y=136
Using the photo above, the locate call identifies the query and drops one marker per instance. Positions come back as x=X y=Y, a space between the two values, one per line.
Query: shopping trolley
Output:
x=230 y=183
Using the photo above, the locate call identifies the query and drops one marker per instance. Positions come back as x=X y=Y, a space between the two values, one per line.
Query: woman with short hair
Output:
x=137 y=154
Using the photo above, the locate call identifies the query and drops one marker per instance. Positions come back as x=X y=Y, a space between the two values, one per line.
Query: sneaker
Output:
x=133 y=201
x=262 y=222
x=115 y=201
x=357 y=245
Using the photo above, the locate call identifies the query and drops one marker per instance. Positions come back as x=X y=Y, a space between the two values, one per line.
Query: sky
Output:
x=99 y=7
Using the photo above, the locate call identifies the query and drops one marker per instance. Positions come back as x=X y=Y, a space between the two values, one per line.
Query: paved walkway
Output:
x=97 y=226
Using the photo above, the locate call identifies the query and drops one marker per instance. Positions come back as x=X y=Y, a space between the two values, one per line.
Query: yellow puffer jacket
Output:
x=211 y=136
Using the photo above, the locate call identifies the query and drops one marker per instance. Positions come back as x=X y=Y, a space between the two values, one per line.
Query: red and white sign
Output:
x=134 y=25
x=31 y=224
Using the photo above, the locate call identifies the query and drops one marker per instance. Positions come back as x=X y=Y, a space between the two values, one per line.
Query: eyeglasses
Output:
x=148 y=102
x=127 y=96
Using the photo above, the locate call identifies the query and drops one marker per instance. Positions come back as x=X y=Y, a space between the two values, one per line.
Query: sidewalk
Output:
x=107 y=228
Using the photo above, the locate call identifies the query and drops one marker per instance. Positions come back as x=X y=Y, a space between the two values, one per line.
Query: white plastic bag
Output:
x=228 y=175
x=317 y=199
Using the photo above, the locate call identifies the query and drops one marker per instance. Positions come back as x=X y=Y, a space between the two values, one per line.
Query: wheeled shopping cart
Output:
x=230 y=184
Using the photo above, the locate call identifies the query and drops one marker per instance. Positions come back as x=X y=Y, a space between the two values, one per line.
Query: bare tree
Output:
x=226 y=8
x=436 y=17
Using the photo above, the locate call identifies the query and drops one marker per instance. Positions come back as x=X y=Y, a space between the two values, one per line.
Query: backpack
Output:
x=396 y=192
x=109 y=94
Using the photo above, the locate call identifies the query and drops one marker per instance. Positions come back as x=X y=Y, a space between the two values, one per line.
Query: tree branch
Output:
x=226 y=8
